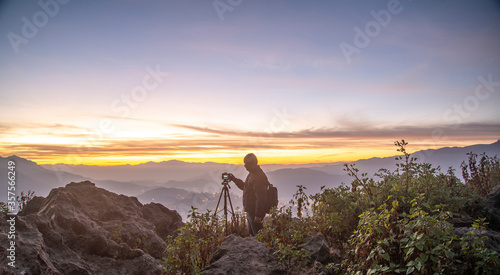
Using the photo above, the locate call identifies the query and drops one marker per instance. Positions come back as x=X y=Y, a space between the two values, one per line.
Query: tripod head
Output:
x=226 y=178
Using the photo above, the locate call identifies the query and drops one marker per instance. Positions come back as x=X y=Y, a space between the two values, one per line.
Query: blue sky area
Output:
x=108 y=82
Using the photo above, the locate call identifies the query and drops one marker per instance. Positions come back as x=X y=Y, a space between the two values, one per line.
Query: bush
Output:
x=395 y=224
x=416 y=242
x=283 y=233
x=190 y=249
x=483 y=176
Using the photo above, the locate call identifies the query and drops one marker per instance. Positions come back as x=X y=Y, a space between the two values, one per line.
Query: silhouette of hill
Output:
x=181 y=200
x=286 y=180
x=204 y=178
x=156 y=172
x=30 y=176
x=443 y=157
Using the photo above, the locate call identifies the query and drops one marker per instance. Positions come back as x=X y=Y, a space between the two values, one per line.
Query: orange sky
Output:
x=292 y=81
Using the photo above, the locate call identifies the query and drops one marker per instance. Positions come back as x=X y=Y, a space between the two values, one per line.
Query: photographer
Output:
x=254 y=193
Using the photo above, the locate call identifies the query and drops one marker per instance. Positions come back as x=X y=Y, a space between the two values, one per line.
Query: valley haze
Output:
x=181 y=185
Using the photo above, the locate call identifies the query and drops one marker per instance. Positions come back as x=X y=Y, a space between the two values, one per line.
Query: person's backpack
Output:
x=272 y=197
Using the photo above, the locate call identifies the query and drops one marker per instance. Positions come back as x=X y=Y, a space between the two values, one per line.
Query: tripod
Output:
x=227 y=197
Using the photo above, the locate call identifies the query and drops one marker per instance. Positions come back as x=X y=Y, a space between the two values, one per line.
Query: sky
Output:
x=126 y=82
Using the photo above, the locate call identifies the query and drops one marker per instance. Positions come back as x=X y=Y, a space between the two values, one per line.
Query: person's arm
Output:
x=260 y=188
x=239 y=183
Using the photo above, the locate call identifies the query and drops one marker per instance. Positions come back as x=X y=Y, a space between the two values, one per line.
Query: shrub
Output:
x=483 y=176
x=283 y=233
x=416 y=242
x=190 y=249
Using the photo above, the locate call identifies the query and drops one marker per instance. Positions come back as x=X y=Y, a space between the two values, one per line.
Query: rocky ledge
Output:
x=82 y=229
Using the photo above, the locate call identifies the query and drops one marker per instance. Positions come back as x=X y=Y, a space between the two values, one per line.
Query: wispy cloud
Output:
x=464 y=130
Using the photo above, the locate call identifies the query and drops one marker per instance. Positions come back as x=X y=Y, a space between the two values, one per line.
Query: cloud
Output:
x=463 y=130
x=327 y=142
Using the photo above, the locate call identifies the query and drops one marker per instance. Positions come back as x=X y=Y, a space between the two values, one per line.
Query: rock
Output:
x=491 y=208
x=239 y=255
x=318 y=248
x=82 y=229
x=461 y=220
x=492 y=242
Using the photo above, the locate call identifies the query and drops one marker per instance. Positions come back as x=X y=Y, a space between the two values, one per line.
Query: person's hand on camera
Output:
x=232 y=177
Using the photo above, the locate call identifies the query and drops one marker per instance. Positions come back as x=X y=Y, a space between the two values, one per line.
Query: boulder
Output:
x=82 y=229
x=239 y=255
x=460 y=220
x=317 y=249
x=491 y=208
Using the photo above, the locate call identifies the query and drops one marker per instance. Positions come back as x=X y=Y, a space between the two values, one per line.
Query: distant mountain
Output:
x=182 y=201
x=30 y=176
x=151 y=171
x=145 y=179
x=286 y=180
x=443 y=157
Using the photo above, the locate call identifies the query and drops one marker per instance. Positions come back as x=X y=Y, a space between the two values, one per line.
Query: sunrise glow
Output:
x=295 y=82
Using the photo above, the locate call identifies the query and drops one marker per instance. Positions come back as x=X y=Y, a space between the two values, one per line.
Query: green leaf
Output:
x=410 y=251
x=418 y=266
x=410 y=270
x=420 y=246
x=423 y=258
x=449 y=254
x=385 y=256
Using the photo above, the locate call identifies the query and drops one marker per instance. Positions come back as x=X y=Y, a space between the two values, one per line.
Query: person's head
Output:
x=250 y=161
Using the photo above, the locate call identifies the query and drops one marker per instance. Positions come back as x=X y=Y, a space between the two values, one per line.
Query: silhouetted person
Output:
x=254 y=193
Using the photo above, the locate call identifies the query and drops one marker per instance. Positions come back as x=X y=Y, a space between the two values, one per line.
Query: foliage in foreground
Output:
x=395 y=223
x=190 y=250
x=386 y=241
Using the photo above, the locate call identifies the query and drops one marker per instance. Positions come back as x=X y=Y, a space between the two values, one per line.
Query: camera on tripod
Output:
x=226 y=177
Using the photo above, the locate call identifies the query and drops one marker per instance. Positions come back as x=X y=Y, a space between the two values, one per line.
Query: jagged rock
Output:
x=491 y=208
x=82 y=229
x=461 y=220
x=317 y=248
x=239 y=255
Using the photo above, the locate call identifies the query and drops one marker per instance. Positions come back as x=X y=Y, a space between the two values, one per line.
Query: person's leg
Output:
x=251 y=224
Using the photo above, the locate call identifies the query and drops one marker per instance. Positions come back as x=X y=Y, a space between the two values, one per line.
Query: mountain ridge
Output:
x=204 y=178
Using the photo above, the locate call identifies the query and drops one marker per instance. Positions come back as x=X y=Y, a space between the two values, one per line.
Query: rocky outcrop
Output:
x=82 y=229
x=317 y=248
x=491 y=208
x=239 y=255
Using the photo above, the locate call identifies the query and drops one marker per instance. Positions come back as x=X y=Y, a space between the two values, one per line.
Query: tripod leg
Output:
x=233 y=218
x=218 y=202
x=226 y=191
